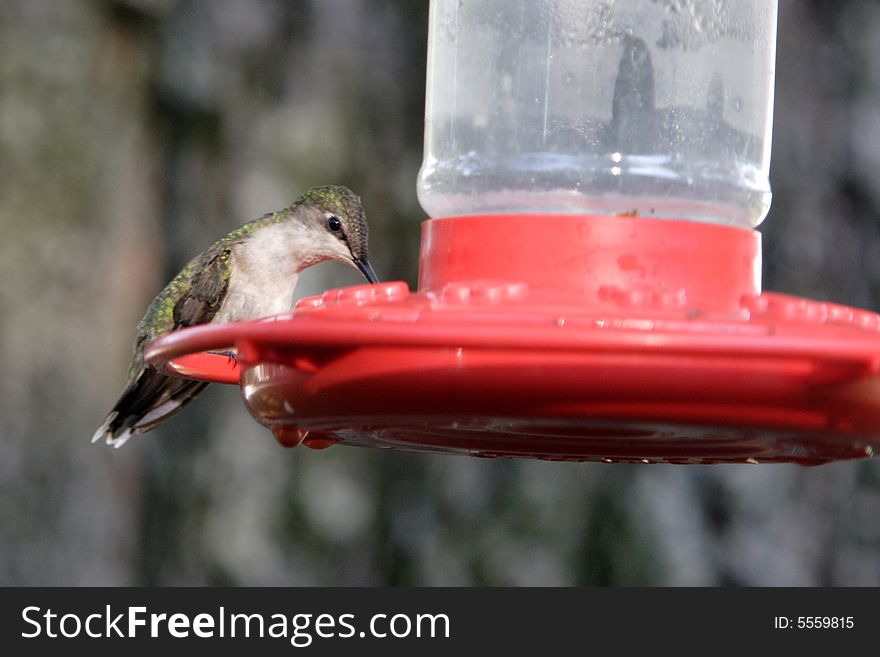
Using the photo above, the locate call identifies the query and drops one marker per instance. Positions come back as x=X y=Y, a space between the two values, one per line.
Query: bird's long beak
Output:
x=366 y=270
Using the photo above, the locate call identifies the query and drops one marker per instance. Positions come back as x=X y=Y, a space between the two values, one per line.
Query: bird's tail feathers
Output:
x=148 y=400
x=104 y=428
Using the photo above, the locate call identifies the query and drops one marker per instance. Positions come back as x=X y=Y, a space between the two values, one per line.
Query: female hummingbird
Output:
x=250 y=273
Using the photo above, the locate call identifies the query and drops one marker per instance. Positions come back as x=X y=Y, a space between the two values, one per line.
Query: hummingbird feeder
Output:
x=590 y=277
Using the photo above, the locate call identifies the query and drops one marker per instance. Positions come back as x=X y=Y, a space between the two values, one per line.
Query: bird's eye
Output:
x=333 y=223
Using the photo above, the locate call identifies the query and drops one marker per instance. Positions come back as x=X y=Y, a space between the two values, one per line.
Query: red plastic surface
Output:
x=569 y=338
x=587 y=260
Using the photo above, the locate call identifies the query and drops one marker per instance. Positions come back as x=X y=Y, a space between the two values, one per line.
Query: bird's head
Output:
x=337 y=226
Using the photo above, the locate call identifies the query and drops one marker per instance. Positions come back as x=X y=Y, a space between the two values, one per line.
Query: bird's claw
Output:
x=231 y=356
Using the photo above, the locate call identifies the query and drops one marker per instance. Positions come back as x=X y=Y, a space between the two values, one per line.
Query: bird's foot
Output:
x=231 y=356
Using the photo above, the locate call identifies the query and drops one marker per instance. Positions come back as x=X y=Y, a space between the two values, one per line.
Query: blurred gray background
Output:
x=135 y=132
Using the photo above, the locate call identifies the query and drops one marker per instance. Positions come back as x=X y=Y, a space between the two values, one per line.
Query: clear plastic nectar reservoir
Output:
x=650 y=108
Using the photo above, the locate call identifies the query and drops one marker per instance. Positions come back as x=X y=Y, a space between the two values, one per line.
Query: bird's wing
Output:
x=210 y=281
x=193 y=297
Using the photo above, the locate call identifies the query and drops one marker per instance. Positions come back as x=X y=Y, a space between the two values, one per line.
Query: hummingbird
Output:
x=249 y=273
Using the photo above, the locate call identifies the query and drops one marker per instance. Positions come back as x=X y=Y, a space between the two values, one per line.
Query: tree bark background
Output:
x=134 y=132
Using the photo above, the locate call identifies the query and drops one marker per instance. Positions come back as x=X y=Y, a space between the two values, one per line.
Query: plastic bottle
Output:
x=650 y=108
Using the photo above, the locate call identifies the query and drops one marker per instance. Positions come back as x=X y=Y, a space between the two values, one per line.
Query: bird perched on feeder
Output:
x=250 y=273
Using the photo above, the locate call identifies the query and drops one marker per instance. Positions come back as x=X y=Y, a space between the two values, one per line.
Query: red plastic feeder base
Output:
x=564 y=337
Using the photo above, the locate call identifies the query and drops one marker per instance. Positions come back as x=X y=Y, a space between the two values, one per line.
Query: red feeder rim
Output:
x=561 y=337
